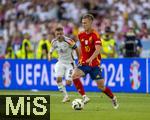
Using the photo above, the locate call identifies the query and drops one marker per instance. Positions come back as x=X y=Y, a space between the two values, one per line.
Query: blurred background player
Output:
x=132 y=46
x=9 y=53
x=90 y=43
x=26 y=50
x=108 y=44
x=2 y=47
x=43 y=47
x=65 y=64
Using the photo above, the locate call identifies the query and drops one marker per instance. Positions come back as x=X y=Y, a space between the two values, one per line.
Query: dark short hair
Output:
x=59 y=28
x=89 y=16
x=108 y=30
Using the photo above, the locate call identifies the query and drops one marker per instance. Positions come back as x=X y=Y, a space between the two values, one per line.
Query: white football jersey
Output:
x=64 y=49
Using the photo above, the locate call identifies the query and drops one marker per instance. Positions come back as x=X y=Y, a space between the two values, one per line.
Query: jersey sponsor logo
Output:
x=135 y=75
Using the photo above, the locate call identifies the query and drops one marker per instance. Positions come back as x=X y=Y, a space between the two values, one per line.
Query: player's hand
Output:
x=49 y=57
x=89 y=61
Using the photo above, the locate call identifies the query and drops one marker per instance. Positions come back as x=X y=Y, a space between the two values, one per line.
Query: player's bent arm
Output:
x=96 y=53
x=50 y=53
x=53 y=47
x=78 y=53
x=49 y=56
x=113 y=53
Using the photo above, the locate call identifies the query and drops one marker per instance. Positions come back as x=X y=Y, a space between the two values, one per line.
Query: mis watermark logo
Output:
x=24 y=107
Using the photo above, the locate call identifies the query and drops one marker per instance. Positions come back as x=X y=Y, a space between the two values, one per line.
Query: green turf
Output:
x=132 y=106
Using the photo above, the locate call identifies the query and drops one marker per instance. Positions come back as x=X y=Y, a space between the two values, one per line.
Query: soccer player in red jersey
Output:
x=90 y=44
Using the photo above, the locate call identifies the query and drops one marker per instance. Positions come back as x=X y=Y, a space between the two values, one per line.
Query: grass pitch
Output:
x=131 y=106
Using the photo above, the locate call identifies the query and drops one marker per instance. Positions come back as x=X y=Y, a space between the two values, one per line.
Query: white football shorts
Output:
x=64 y=70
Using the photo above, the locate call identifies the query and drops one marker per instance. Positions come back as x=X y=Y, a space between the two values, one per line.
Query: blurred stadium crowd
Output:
x=27 y=26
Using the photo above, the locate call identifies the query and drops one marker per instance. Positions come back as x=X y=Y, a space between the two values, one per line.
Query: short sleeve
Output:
x=72 y=44
x=96 y=38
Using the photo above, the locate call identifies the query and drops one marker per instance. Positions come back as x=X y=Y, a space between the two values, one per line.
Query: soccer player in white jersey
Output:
x=65 y=64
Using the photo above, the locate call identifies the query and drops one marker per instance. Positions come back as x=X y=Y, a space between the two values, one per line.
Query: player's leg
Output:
x=108 y=92
x=68 y=74
x=103 y=88
x=62 y=89
x=59 y=73
x=97 y=76
x=77 y=73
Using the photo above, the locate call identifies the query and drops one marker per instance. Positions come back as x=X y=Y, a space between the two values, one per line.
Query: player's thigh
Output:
x=68 y=71
x=77 y=73
x=59 y=70
x=59 y=79
x=96 y=73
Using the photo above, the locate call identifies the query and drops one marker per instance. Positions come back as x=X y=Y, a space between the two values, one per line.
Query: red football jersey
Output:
x=87 y=46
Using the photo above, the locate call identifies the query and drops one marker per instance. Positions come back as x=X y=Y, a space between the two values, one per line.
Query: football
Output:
x=77 y=104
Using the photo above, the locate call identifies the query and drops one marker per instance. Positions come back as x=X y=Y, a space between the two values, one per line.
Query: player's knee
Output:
x=59 y=79
x=74 y=75
x=101 y=87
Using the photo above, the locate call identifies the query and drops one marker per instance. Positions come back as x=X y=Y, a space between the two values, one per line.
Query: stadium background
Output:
x=36 y=20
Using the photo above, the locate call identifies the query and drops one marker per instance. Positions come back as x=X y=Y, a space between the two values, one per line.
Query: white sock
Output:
x=84 y=96
x=62 y=88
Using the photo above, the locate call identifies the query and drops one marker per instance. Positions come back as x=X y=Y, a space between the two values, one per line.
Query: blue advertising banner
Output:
x=25 y=74
x=125 y=75
x=121 y=75
x=148 y=75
